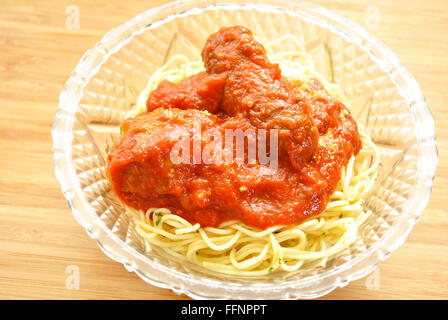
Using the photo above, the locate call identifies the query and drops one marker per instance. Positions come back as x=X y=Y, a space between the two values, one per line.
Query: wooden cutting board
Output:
x=41 y=245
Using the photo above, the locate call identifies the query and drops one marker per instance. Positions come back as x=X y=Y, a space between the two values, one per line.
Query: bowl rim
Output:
x=94 y=58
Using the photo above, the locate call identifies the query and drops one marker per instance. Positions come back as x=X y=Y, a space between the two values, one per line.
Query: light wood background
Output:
x=39 y=237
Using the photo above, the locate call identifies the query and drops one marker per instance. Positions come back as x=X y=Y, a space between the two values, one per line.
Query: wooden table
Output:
x=39 y=238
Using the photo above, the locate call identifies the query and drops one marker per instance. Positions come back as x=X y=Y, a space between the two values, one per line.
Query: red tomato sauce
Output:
x=240 y=89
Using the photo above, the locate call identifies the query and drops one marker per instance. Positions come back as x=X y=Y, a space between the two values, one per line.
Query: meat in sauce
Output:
x=240 y=89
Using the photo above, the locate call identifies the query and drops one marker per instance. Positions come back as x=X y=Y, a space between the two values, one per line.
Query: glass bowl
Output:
x=383 y=94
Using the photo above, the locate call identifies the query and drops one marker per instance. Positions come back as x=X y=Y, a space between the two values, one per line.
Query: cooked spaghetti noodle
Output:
x=237 y=249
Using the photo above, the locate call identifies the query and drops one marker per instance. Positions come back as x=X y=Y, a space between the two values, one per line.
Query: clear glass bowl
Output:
x=383 y=94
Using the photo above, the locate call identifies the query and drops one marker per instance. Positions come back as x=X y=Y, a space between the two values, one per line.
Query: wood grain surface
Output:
x=39 y=238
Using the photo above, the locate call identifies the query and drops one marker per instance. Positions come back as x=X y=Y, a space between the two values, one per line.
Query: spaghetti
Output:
x=237 y=249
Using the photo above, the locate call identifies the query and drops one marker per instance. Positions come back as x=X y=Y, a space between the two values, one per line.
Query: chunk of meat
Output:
x=256 y=90
x=140 y=166
x=206 y=95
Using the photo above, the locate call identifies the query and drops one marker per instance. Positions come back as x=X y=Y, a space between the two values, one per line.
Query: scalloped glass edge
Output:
x=202 y=288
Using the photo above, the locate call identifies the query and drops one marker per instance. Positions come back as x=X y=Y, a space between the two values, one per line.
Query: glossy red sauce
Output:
x=240 y=89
